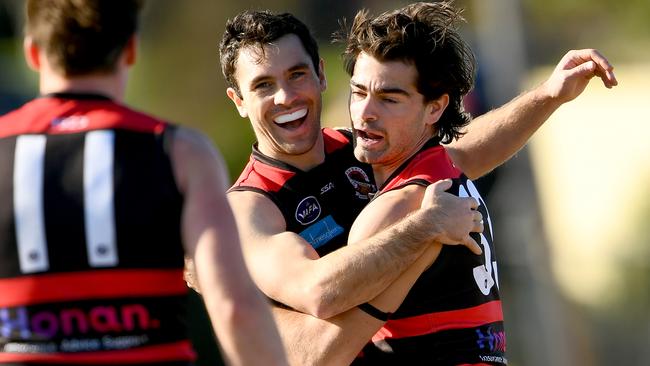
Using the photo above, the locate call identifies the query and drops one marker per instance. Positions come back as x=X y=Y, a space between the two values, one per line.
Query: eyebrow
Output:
x=298 y=66
x=388 y=90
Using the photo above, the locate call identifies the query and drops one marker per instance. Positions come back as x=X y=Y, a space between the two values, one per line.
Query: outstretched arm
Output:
x=494 y=137
x=240 y=316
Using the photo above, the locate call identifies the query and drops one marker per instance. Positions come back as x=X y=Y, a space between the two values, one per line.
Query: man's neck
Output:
x=305 y=161
x=109 y=85
x=383 y=171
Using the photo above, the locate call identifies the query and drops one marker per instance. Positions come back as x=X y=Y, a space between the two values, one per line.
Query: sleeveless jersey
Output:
x=321 y=204
x=91 y=255
x=452 y=315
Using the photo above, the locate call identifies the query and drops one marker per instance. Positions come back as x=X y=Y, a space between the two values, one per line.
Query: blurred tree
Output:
x=618 y=28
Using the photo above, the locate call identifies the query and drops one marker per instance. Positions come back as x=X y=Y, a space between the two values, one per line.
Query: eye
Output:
x=357 y=94
x=264 y=85
x=296 y=75
x=390 y=100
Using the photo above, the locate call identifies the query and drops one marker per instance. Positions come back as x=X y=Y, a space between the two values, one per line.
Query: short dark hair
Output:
x=257 y=28
x=82 y=36
x=425 y=35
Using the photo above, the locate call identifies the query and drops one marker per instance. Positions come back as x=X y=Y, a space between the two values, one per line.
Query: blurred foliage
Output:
x=619 y=28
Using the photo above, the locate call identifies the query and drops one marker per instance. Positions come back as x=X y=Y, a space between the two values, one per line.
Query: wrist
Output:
x=432 y=230
x=547 y=96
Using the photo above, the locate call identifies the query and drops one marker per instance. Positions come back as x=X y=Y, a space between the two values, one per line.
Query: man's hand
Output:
x=574 y=71
x=189 y=275
x=455 y=217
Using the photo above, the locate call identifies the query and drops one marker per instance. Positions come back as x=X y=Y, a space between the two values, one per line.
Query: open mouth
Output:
x=368 y=136
x=291 y=120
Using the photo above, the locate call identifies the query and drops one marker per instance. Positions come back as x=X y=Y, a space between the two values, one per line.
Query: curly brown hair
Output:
x=257 y=28
x=82 y=36
x=425 y=35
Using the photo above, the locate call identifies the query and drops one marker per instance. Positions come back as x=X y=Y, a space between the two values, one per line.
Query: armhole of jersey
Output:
x=256 y=190
x=418 y=181
x=167 y=140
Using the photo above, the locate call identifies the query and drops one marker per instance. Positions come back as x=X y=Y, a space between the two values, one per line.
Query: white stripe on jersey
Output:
x=99 y=209
x=29 y=160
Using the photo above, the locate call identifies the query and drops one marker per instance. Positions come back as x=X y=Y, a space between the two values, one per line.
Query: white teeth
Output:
x=290 y=117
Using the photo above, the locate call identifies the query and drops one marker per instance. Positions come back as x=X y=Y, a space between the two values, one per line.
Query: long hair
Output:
x=425 y=35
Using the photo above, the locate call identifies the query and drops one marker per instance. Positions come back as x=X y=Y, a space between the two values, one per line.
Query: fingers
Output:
x=478 y=226
x=472 y=245
x=589 y=61
x=605 y=69
x=434 y=190
x=440 y=186
x=587 y=70
x=478 y=217
x=473 y=203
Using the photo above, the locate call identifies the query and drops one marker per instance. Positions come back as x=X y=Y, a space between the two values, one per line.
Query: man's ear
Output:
x=436 y=108
x=32 y=54
x=239 y=102
x=321 y=75
x=131 y=50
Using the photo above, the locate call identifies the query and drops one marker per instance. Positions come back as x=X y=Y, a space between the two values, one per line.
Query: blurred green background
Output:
x=570 y=211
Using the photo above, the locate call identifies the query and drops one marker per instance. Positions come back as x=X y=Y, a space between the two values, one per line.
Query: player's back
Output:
x=90 y=245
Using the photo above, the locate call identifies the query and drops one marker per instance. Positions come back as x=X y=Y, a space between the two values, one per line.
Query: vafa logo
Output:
x=308 y=210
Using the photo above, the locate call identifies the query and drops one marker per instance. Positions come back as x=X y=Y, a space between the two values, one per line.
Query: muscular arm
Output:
x=389 y=208
x=239 y=314
x=335 y=341
x=290 y=271
x=338 y=339
x=493 y=138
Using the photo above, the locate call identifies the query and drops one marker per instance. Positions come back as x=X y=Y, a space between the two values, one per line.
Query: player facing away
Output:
x=100 y=203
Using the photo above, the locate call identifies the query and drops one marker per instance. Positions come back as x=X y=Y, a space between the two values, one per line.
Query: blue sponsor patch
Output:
x=321 y=232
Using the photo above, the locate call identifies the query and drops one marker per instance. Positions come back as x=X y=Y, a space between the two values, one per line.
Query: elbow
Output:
x=319 y=302
x=228 y=315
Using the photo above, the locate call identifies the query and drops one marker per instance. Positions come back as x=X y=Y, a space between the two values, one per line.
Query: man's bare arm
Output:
x=494 y=137
x=317 y=342
x=290 y=271
x=240 y=316
x=338 y=339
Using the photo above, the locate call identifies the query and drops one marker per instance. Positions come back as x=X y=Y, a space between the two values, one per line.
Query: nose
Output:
x=363 y=110
x=285 y=95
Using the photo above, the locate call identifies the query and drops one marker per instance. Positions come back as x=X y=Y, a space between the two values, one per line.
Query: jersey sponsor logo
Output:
x=322 y=232
x=492 y=340
x=71 y=123
x=326 y=188
x=360 y=181
x=308 y=210
x=497 y=359
x=74 y=329
x=20 y=323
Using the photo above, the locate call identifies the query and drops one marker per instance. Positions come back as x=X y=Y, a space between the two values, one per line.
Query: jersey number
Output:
x=482 y=274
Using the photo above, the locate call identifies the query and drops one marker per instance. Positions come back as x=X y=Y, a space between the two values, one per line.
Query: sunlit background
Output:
x=571 y=211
